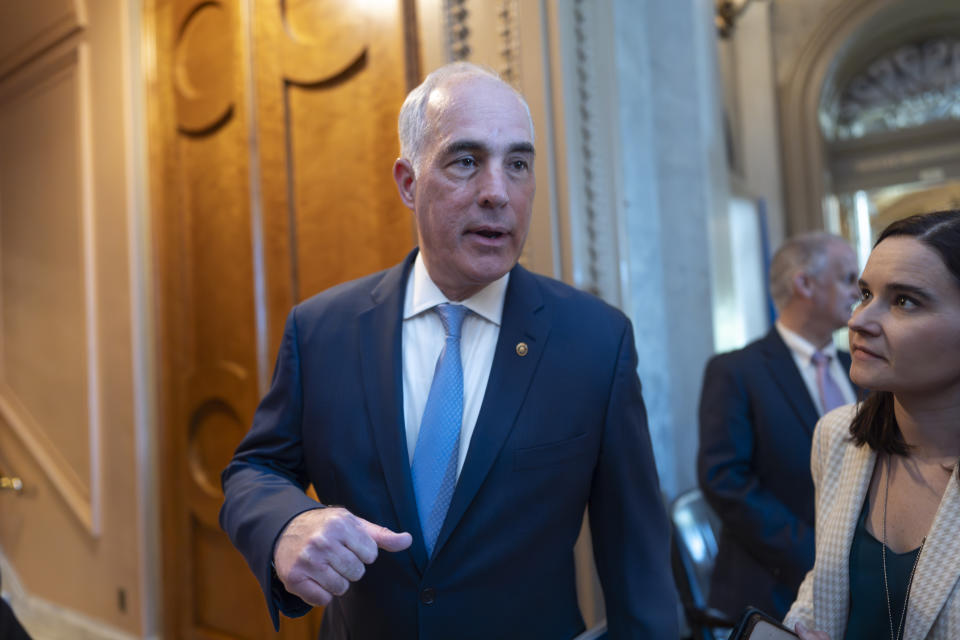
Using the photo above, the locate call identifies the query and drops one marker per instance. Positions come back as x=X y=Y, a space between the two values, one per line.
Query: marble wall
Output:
x=674 y=183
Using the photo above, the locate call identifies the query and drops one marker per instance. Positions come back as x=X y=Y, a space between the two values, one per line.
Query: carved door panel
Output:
x=69 y=426
x=273 y=127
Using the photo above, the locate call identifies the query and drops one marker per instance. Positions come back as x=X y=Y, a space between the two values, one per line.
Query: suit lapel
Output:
x=938 y=569
x=382 y=373
x=831 y=595
x=524 y=320
x=783 y=370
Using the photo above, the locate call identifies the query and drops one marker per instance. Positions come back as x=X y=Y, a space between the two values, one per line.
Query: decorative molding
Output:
x=803 y=149
x=585 y=117
x=82 y=496
x=91 y=299
x=412 y=42
x=221 y=396
x=896 y=157
x=56 y=468
x=60 y=23
x=583 y=89
x=328 y=58
x=204 y=107
x=508 y=31
x=906 y=87
x=456 y=22
x=327 y=78
x=845 y=33
x=325 y=61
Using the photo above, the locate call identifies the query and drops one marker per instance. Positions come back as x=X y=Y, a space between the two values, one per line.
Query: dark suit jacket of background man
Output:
x=560 y=427
x=756 y=429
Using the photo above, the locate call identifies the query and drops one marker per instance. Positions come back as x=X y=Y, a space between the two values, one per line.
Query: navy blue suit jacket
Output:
x=561 y=427
x=756 y=429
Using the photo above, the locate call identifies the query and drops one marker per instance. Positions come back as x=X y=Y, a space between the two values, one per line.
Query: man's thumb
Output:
x=389 y=540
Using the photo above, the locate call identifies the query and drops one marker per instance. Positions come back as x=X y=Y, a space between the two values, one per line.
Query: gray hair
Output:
x=413 y=126
x=806 y=252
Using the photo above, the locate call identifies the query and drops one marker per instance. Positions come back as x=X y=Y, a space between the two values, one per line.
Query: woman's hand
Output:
x=809 y=634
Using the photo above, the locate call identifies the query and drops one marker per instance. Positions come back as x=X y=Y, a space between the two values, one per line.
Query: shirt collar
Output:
x=801 y=346
x=423 y=295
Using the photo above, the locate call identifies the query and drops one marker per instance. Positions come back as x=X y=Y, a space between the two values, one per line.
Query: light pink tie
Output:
x=831 y=396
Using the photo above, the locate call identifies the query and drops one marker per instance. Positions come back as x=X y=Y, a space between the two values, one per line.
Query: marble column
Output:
x=673 y=188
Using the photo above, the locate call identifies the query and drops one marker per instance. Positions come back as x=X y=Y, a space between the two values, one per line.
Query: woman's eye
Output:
x=864 y=295
x=904 y=302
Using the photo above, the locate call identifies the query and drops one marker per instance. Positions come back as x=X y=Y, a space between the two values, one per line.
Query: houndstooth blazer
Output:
x=841 y=476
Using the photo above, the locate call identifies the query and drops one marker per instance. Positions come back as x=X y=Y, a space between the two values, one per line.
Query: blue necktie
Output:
x=434 y=467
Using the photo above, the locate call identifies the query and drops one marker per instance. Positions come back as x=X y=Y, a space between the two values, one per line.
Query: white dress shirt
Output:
x=423 y=340
x=802 y=352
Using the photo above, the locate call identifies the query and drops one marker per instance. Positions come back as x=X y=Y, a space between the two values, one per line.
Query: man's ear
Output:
x=406 y=180
x=802 y=284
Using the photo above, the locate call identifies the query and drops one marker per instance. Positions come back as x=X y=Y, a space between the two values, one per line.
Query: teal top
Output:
x=869 y=619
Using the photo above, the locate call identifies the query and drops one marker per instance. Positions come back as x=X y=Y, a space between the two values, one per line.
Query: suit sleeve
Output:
x=754 y=515
x=264 y=484
x=631 y=537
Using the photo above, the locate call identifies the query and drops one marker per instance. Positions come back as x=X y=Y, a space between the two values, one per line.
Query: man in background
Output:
x=461 y=412
x=758 y=408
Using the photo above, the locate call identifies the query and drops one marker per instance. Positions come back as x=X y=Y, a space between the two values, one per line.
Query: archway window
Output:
x=912 y=85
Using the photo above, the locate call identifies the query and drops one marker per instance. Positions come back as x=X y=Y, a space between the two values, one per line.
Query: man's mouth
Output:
x=492 y=234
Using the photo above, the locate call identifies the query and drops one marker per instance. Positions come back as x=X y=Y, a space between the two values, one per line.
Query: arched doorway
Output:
x=892 y=131
x=858 y=118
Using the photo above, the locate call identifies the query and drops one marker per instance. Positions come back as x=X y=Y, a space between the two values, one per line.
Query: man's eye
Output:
x=468 y=162
x=519 y=165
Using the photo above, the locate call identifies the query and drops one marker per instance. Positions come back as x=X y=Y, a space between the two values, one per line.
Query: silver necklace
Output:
x=883 y=560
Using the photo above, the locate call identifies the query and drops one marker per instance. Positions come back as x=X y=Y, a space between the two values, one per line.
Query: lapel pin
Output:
x=522 y=349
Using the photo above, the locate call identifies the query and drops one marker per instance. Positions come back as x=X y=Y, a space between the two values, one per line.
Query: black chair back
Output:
x=695 y=529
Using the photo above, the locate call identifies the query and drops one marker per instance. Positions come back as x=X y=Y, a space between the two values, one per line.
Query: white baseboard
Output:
x=47 y=621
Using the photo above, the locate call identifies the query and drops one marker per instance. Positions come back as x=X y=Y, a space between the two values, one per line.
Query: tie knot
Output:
x=820 y=359
x=451 y=315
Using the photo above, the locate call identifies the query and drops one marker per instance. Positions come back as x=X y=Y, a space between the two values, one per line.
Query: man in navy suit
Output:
x=548 y=419
x=758 y=408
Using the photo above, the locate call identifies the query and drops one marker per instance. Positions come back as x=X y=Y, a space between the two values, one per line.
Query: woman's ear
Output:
x=406 y=179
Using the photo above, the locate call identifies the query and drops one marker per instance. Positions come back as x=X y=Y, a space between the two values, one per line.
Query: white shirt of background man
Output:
x=802 y=352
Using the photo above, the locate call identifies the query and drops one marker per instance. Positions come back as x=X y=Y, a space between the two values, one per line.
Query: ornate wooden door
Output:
x=273 y=133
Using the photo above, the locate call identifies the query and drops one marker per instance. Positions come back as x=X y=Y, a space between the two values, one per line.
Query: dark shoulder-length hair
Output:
x=875 y=423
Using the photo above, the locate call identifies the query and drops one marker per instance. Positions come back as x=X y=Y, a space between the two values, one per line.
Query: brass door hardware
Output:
x=10 y=483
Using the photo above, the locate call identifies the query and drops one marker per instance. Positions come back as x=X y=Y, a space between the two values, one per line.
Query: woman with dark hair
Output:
x=885 y=470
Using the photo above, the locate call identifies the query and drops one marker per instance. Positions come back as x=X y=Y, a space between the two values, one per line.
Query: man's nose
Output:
x=493 y=187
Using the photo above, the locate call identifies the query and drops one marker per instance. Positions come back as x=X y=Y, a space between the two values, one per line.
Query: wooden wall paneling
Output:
x=45 y=281
x=68 y=404
x=208 y=336
x=330 y=81
x=349 y=218
x=273 y=137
